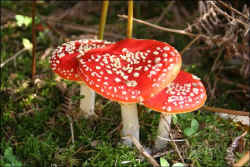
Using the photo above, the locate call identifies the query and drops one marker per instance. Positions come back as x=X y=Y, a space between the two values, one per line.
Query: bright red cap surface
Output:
x=185 y=94
x=64 y=58
x=130 y=70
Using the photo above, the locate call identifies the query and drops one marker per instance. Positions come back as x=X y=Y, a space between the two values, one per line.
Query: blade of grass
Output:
x=227 y=111
x=13 y=57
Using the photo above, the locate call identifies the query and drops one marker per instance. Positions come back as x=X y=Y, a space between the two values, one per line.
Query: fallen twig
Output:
x=243 y=160
x=160 y=154
x=174 y=144
x=216 y=63
x=46 y=53
x=232 y=83
x=71 y=129
x=170 y=139
x=165 y=10
x=116 y=129
x=143 y=151
x=13 y=57
x=190 y=44
x=163 y=28
x=230 y=155
x=227 y=111
x=227 y=15
x=231 y=8
x=56 y=31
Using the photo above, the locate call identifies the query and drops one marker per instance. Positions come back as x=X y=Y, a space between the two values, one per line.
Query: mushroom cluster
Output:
x=129 y=72
x=132 y=71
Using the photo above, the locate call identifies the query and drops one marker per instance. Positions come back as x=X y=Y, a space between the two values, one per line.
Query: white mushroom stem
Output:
x=87 y=104
x=163 y=133
x=130 y=122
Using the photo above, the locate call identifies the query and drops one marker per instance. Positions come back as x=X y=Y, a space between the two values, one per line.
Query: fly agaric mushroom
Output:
x=64 y=63
x=185 y=94
x=128 y=72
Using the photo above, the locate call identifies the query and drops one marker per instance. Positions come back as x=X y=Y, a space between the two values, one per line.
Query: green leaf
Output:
x=8 y=154
x=189 y=131
x=23 y=20
x=164 y=162
x=195 y=125
x=19 y=19
x=27 y=44
x=175 y=119
x=193 y=129
x=9 y=158
x=178 y=164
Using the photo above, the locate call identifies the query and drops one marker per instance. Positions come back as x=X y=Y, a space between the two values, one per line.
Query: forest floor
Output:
x=35 y=124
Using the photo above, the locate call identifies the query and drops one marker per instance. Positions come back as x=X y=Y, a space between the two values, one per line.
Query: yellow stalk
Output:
x=105 y=5
x=130 y=19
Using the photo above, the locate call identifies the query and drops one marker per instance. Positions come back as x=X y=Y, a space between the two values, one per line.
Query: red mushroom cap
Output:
x=185 y=94
x=130 y=70
x=64 y=58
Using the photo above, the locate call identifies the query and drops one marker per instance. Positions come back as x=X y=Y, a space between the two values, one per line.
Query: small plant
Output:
x=9 y=159
x=27 y=44
x=192 y=129
x=23 y=20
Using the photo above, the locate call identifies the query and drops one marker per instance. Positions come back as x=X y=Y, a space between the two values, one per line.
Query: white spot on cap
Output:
x=136 y=74
x=125 y=77
x=172 y=53
x=196 y=90
x=171 y=66
x=124 y=49
x=195 y=77
x=131 y=83
x=155 y=53
x=109 y=72
x=152 y=73
x=166 y=48
x=145 y=68
x=157 y=60
x=117 y=80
